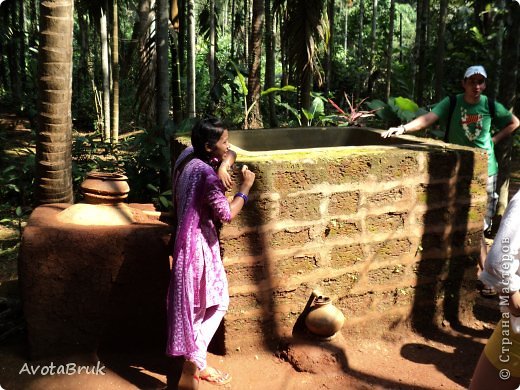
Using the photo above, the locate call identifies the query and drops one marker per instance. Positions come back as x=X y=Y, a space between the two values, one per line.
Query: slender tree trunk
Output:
x=422 y=14
x=176 y=80
x=255 y=56
x=144 y=14
x=106 y=75
x=233 y=17
x=33 y=24
x=115 y=75
x=400 y=38
x=3 y=70
x=345 y=33
x=246 y=30
x=499 y=40
x=22 y=47
x=370 y=76
x=373 y=36
x=305 y=91
x=85 y=49
x=330 y=44
x=390 y=50
x=284 y=44
x=145 y=19
x=360 y=48
x=439 y=58
x=191 y=60
x=176 y=71
x=162 y=81
x=54 y=134
x=270 y=44
x=224 y=15
x=183 y=37
x=510 y=78
x=212 y=35
x=13 y=59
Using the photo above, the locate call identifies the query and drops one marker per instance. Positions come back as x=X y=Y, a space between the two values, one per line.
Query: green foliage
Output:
x=17 y=178
x=164 y=199
x=397 y=110
x=316 y=111
x=146 y=162
x=14 y=220
x=16 y=190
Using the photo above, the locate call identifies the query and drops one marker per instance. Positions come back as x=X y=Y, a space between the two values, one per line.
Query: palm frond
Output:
x=305 y=26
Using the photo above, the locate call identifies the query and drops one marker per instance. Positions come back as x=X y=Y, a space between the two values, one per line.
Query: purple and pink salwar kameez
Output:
x=198 y=293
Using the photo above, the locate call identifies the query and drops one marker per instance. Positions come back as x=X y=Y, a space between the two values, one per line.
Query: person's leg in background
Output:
x=492 y=199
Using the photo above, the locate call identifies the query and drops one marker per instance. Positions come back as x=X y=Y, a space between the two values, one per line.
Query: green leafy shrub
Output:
x=397 y=110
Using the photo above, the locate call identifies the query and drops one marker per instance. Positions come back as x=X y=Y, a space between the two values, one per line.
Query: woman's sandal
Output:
x=190 y=376
x=214 y=376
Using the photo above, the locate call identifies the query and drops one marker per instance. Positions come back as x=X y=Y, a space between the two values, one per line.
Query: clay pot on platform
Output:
x=105 y=188
x=324 y=319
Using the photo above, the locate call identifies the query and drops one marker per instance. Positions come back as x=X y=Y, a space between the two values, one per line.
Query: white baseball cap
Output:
x=475 y=69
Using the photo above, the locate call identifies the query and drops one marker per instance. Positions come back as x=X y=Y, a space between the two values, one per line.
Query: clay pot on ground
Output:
x=324 y=319
x=105 y=188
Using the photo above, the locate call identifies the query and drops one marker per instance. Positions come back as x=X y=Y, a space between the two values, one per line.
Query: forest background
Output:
x=106 y=83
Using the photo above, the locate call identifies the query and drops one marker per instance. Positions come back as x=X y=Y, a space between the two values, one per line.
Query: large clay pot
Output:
x=105 y=188
x=324 y=319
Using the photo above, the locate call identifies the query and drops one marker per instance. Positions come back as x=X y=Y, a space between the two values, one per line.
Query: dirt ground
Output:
x=397 y=359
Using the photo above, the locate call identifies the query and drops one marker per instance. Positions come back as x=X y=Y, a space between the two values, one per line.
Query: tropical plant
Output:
x=396 y=111
x=244 y=91
x=354 y=114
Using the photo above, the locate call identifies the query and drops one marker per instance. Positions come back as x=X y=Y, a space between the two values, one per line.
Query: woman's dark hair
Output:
x=206 y=131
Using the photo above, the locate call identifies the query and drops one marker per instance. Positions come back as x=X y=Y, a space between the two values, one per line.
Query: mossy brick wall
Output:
x=379 y=229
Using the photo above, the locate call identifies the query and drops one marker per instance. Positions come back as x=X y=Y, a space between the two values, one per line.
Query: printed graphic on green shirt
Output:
x=471 y=123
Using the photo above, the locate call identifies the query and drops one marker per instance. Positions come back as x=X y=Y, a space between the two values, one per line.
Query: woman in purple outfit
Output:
x=198 y=292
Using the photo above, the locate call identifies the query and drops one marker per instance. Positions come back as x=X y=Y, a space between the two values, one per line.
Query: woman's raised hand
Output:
x=248 y=178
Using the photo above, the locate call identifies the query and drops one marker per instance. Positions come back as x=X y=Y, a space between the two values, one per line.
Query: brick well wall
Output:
x=385 y=231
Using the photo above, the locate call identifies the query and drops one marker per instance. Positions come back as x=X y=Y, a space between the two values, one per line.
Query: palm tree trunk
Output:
x=422 y=14
x=510 y=77
x=85 y=49
x=115 y=75
x=33 y=22
x=345 y=30
x=390 y=49
x=22 y=47
x=373 y=36
x=212 y=34
x=106 y=75
x=162 y=81
x=191 y=60
x=270 y=44
x=176 y=79
x=330 y=45
x=233 y=17
x=499 y=42
x=439 y=58
x=255 y=57
x=12 y=57
x=54 y=135
x=360 y=48
x=246 y=30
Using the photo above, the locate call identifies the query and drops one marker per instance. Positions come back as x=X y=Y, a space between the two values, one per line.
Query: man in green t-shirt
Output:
x=470 y=125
